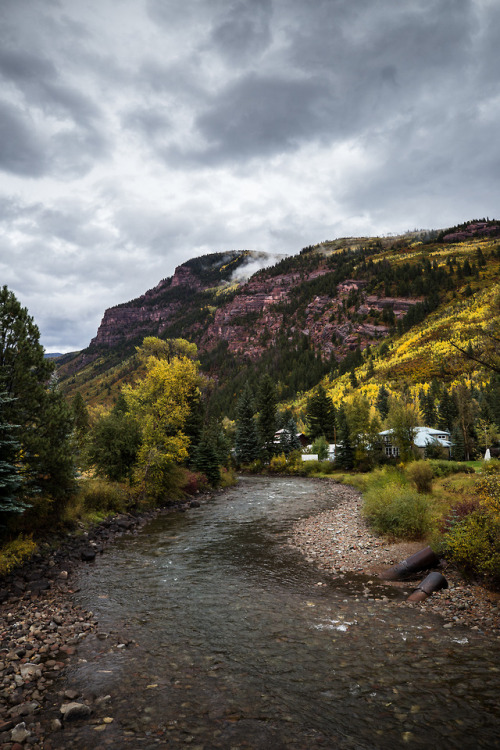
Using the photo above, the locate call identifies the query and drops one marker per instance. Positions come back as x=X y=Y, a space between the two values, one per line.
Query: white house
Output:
x=424 y=436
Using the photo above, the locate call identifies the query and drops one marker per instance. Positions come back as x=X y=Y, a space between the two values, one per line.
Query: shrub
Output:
x=99 y=495
x=445 y=468
x=320 y=447
x=16 y=552
x=474 y=545
x=458 y=512
x=194 y=482
x=487 y=488
x=278 y=464
x=420 y=473
x=396 y=509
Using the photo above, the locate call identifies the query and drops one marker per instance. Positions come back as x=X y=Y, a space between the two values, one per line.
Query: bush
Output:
x=99 y=495
x=194 y=482
x=487 y=488
x=392 y=507
x=421 y=474
x=445 y=468
x=474 y=545
x=16 y=552
x=278 y=464
x=458 y=512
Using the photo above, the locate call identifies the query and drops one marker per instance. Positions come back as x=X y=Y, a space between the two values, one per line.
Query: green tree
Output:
x=320 y=448
x=246 y=442
x=344 y=455
x=44 y=420
x=206 y=461
x=382 y=402
x=160 y=403
x=266 y=420
x=289 y=440
x=403 y=419
x=320 y=415
x=114 y=444
x=10 y=481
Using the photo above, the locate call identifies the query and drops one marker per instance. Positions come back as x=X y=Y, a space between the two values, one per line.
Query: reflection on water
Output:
x=237 y=642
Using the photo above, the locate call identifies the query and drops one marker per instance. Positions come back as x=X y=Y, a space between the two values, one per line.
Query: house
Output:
x=301 y=436
x=424 y=436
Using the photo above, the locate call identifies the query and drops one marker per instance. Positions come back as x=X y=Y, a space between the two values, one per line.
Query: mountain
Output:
x=308 y=315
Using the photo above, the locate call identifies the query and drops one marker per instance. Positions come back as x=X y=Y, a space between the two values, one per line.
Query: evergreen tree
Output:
x=289 y=440
x=193 y=425
x=266 y=421
x=80 y=415
x=344 y=455
x=36 y=405
x=320 y=415
x=382 y=402
x=10 y=480
x=428 y=409
x=447 y=411
x=206 y=461
x=246 y=442
x=457 y=444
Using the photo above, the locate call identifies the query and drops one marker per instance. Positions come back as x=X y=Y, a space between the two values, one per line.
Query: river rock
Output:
x=88 y=554
x=71 y=711
x=30 y=671
x=20 y=733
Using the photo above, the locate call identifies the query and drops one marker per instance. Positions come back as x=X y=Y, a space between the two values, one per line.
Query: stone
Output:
x=72 y=711
x=30 y=671
x=20 y=733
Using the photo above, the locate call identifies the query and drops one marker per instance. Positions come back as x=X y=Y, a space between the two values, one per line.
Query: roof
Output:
x=427 y=435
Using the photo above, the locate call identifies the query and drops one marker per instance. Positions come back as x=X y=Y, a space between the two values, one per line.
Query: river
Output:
x=214 y=633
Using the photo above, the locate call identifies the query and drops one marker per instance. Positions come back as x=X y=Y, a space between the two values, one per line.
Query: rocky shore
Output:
x=339 y=541
x=40 y=629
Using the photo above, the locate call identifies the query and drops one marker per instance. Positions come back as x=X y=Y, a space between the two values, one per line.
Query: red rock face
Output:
x=478 y=229
x=252 y=321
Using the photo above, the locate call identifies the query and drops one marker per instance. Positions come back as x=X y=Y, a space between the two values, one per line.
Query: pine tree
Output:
x=10 y=481
x=266 y=420
x=36 y=405
x=344 y=455
x=206 y=461
x=447 y=411
x=382 y=402
x=289 y=440
x=457 y=444
x=320 y=415
x=246 y=442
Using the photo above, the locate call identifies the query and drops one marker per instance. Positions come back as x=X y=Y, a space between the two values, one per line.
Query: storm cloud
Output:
x=137 y=134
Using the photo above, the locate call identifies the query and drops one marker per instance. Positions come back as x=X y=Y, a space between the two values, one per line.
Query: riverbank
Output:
x=339 y=541
x=40 y=629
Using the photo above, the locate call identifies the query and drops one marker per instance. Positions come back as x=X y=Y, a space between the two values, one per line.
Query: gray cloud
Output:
x=138 y=134
x=21 y=149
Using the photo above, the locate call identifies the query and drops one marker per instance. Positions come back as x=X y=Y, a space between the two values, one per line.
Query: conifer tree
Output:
x=289 y=440
x=10 y=480
x=246 y=443
x=382 y=402
x=45 y=423
x=344 y=455
x=320 y=415
x=206 y=461
x=266 y=420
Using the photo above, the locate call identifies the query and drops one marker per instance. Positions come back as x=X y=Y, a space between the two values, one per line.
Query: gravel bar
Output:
x=339 y=541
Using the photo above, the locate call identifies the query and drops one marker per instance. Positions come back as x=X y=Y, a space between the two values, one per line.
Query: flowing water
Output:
x=237 y=642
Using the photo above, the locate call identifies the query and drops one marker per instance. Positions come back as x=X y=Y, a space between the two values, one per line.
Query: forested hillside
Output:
x=396 y=308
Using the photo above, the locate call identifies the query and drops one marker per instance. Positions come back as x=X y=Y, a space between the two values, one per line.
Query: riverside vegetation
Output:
x=158 y=418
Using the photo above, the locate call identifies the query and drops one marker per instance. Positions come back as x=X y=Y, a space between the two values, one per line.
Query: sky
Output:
x=136 y=134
